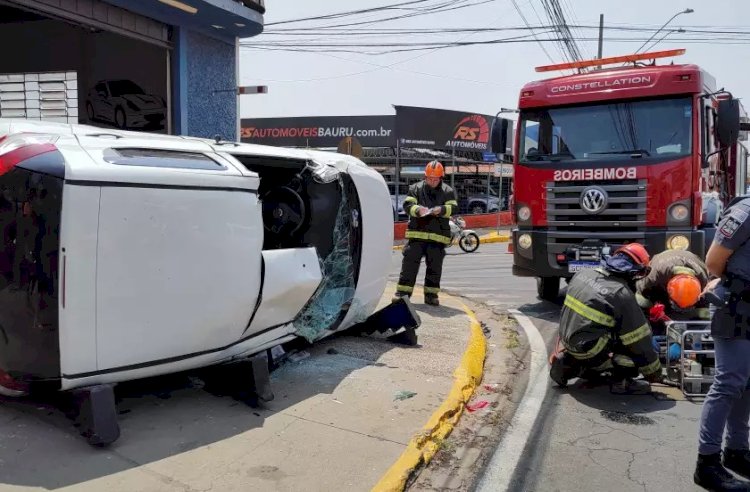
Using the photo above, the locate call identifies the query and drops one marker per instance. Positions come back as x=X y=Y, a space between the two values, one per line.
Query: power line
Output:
x=348 y=13
x=518 y=9
x=446 y=6
x=413 y=47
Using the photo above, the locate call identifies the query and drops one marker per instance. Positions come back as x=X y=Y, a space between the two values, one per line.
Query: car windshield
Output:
x=122 y=87
x=610 y=131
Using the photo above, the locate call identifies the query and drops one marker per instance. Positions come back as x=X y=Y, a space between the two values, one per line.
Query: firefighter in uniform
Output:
x=672 y=290
x=429 y=204
x=602 y=328
x=727 y=404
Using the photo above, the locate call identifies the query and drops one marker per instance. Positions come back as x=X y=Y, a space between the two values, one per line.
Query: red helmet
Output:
x=637 y=253
x=434 y=169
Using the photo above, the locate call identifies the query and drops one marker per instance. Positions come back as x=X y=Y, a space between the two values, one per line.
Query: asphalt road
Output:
x=586 y=439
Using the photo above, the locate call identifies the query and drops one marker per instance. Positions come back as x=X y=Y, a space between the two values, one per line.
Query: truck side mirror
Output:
x=499 y=137
x=728 y=122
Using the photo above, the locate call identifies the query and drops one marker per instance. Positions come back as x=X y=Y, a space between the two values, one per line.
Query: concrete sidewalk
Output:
x=341 y=418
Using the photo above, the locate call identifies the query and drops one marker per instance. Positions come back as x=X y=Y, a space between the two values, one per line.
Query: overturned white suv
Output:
x=127 y=255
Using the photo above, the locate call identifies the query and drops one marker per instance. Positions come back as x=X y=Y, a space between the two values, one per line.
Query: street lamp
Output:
x=686 y=11
x=671 y=31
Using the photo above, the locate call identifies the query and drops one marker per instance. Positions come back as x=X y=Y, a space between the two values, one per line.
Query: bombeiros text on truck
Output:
x=623 y=150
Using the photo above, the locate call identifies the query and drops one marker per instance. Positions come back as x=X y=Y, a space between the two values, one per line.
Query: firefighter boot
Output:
x=399 y=295
x=738 y=461
x=431 y=299
x=711 y=475
x=559 y=372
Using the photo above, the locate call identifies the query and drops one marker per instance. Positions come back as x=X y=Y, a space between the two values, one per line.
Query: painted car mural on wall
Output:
x=126 y=105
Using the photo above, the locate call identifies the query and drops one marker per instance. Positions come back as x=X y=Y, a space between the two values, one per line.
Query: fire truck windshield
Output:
x=655 y=128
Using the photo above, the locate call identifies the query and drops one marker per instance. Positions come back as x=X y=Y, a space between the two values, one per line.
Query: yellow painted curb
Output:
x=494 y=237
x=423 y=446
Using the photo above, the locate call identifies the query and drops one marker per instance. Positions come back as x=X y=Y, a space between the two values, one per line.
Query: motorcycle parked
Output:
x=467 y=239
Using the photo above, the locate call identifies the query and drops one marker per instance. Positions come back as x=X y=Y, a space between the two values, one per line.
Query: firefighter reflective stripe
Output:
x=636 y=335
x=411 y=209
x=404 y=288
x=588 y=312
x=684 y=270
x=601 y=344
x=448 y=207
x=623 y=360
x=427 y=236
x=703 y=313
x=431 y=290
x=642 y=301
x=651 y=368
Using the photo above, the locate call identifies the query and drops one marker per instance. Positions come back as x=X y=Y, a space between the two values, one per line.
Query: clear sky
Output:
x=476 y=78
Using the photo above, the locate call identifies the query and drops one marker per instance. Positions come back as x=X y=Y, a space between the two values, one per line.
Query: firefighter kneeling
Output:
x=672 y=291
x=602 y=328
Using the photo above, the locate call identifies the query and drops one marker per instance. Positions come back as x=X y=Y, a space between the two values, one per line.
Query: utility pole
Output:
x=601 y=34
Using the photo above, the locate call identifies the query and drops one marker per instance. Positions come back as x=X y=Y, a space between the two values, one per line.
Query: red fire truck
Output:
x=635 y=152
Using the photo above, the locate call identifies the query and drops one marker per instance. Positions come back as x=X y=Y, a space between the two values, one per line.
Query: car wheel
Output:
x=548 y=288
x=477 y=208
x=90 y=111
x=120 y=119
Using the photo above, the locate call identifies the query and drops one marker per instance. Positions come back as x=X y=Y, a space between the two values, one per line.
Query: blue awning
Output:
x=222 y=19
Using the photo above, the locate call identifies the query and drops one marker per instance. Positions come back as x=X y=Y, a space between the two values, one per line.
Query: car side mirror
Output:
x=728 y=122
x=499 y=135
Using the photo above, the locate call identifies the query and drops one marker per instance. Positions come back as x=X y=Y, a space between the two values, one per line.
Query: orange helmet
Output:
x=434 y=170
x=684 y=290
x=637 y=253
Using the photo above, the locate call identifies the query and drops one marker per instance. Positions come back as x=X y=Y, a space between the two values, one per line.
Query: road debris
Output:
x=404 y=395
x=478 y=405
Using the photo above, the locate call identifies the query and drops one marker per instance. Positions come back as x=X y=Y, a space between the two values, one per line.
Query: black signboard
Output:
x=442 y=129
x=320 y=131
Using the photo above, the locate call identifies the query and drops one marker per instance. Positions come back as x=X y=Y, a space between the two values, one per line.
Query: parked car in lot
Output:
x=127 y=255
x=480 y=203
x=398 y=205
x=125 y=104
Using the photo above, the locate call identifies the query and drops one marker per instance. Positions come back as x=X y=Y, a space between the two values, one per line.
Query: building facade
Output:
x=166 y=66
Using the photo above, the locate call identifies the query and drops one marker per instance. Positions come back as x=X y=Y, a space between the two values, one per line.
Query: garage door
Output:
x=99 y=15
x=113 y=65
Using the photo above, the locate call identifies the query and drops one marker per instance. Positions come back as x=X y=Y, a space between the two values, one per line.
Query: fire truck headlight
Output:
x=524 y=213
x=678 y=242
x=524 y=241
x=679 y=213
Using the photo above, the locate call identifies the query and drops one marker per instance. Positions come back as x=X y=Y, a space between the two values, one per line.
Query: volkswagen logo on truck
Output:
x=593 y=200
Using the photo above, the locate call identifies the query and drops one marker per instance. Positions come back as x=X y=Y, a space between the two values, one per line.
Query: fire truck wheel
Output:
x=548 y=288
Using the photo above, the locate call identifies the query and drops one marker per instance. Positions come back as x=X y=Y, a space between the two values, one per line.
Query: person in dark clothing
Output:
x=429 y=205
x=602 y=328
x=674 y=286
x=727 y=404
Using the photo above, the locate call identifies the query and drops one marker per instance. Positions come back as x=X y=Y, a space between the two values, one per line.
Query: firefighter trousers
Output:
x=414 y=251
x=598 y=361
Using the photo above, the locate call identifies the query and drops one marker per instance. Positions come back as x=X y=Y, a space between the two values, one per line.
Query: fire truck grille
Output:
x=622 y=219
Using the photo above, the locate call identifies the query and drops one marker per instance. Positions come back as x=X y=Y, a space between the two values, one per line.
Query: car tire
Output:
x=548 y=288
x=120 y=118
x=477 y=208
x=90 y=111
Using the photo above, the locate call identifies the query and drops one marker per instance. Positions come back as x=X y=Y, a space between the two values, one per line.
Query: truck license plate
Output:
x=577 y=266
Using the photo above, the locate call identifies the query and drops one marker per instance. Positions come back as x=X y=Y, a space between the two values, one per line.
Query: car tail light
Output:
x=19 y=147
